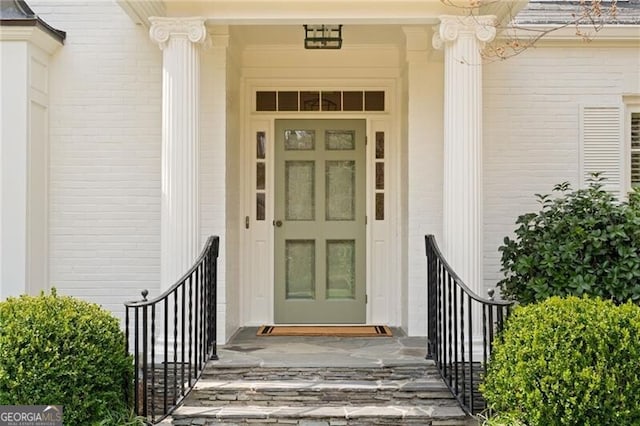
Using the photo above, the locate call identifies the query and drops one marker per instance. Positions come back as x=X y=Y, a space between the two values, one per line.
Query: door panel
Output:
x=320 y=221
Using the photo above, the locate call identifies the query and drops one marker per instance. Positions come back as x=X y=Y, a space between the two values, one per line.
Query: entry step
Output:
x=254 y=372
x=321 y=416
x=319 y=392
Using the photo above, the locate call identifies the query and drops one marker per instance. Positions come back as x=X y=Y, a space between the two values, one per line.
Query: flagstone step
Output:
x=321 y=416
x=422 y=370
x=319 y=392
x=321 y=382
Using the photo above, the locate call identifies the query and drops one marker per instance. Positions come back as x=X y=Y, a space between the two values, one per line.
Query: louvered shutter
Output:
x=635 y=149
x=601 y=146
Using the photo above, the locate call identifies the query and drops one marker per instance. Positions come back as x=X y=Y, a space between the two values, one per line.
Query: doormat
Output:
x=331 y=330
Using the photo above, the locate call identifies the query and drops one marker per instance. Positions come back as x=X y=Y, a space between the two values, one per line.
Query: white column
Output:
x=462 y=38
x=179 y=39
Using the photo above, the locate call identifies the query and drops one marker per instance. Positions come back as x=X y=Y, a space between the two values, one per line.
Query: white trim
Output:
x=24 y=165
x=33 y=35
x=390 y=229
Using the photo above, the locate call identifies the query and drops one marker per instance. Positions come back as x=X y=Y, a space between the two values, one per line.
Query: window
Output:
x=634 y=143
x=379 y=176
x=631 y=141
x=261 y=174
x=324 y=100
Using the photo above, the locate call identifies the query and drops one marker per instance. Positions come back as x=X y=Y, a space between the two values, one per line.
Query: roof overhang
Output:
x=557 y=33
x=140 y=10
x=31 y=33
x=289 y=12
x=504 y=11
x=19 y=22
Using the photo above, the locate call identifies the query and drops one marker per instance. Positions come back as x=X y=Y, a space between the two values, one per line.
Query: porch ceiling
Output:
x=354 y=35
x=297 y=12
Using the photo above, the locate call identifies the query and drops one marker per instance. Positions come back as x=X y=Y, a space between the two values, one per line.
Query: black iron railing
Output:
x=460 y=330
x=173 y=336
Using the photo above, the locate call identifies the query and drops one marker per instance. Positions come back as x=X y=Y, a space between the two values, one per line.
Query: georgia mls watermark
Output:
x=30 y=415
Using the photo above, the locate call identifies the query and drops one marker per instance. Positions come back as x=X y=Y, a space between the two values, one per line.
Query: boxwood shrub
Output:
x=57 y=350
x=581 y=242
x=567 y=361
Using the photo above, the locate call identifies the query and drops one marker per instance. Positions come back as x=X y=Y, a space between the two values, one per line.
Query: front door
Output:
x=320 y=221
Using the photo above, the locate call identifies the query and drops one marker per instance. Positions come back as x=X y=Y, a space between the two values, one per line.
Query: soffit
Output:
x=310 y=11
x=297 y=12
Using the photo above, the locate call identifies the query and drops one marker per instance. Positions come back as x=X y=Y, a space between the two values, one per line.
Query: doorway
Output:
x=320 y=221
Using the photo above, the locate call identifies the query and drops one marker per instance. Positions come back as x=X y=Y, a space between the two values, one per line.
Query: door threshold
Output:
x=326 y=330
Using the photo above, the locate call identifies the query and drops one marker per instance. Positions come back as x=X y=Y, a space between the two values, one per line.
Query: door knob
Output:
x=278 y=223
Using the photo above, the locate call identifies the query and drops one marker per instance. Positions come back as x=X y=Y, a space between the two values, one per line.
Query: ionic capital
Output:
x=162 y=29
x=451 y=27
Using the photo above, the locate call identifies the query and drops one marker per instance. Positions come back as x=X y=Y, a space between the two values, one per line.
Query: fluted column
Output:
x=462 y=38
x=179 y=39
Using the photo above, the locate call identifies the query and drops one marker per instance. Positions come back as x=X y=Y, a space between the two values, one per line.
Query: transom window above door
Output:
x=319 y=100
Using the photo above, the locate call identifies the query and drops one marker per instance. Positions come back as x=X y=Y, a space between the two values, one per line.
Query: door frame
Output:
x=383 y=238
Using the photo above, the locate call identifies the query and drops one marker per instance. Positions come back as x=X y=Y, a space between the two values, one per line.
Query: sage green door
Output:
x=320 y=221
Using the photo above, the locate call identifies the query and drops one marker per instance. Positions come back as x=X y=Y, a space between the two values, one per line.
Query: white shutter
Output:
x=601 y=132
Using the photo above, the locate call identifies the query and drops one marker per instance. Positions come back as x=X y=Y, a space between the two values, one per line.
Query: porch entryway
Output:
x=320 y=214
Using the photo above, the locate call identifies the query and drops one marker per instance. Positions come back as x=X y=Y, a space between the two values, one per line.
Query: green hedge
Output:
x=573 y=361
x=62 y=351
x=580 y=242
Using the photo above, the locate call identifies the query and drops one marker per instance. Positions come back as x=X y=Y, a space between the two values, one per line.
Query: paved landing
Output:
x=247 y=349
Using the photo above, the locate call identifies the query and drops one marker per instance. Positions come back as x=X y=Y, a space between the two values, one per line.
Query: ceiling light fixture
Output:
x=322 y=36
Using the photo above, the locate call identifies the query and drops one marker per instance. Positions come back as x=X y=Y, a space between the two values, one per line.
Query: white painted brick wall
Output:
x=532 y=128
x=104 y=187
